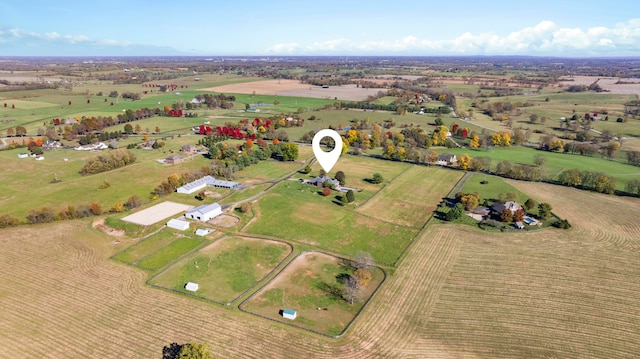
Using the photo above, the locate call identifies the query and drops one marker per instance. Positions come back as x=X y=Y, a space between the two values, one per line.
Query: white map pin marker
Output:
x=327 y=159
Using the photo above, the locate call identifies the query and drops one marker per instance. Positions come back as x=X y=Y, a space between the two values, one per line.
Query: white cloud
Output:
x=545 y=38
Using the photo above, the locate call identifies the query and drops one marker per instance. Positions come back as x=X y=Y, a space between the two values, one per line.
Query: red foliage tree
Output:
x=455 y=128
x=69 y=102
x=464 y=134
x=326 y=191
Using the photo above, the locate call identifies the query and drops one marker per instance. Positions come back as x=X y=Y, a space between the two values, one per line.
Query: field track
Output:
x=458 y=293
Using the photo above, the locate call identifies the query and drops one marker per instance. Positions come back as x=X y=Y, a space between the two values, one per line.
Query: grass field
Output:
x=556 y=162
x=492 y=189
x=146 y=247
x=225 y=268
x=324 y=224
x=412 y=197
x=458 y=292
x=310 y=282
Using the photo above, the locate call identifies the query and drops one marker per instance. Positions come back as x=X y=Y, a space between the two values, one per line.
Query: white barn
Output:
x=202 y=231
x=206 y=181
x=205 y=212
x=178 y=224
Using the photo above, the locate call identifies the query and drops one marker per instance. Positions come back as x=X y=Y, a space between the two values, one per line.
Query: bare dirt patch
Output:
x=99 y=224
x=156 y=213
x=297 y=89
x=224 y=220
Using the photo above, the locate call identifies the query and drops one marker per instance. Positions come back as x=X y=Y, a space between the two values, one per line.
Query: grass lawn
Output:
x=244 y=194
x=411 y=198
x=146 y=247
x=169 y=253
x=555 y=162
x=491 y=190
x=225 y=268
x=312 y=281
x=322 y=223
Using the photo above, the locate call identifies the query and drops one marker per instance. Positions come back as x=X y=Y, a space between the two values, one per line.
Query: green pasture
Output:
x=555 y=162
x=412 y=197
x=22 y=176
x=226 y=268
x=244 y=194
x=169 y=253
x=323 y=223
x=312 y=285
x=146 y=247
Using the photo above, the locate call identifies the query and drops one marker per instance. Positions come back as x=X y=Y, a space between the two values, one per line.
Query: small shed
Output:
x=202 y=231
x=178 y=224
x=289 y=314
x=192 y=287
x=23 y=155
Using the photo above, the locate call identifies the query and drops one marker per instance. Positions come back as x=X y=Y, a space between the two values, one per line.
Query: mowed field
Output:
x=459 y=292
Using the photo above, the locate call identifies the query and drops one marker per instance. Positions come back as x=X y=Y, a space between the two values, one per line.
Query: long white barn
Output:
x=206 y=181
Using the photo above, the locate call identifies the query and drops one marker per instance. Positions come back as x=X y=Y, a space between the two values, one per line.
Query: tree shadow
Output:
x=332 y=290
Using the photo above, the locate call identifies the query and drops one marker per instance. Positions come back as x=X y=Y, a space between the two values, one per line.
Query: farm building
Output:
x=173 y=160
x=178 y=224
x=188 y=148
x=206 y=181
x=192 y=287
x=289 y=314
x=202 y=231
x=205 y=212
x=519 y=225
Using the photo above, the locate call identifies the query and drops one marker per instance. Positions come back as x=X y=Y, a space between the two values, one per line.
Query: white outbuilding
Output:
x=178 y=224
x=202 y=231
x=205 y=212
x=192 y=287
x=289 y=314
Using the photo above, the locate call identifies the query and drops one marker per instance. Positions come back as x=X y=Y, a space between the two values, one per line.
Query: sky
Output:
x=558 y=28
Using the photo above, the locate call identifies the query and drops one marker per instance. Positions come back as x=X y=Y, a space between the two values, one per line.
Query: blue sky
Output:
x=270 y=28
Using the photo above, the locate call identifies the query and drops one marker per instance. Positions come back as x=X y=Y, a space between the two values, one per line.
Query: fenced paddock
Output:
x=156 y=213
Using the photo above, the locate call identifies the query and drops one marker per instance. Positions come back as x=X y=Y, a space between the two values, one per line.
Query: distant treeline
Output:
x=107 y=161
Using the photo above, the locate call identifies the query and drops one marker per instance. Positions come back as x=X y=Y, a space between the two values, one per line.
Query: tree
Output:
x=10 y=132
x=350 y=196
x=351 y=289
x=362 y=276
x=363 y=260
x=464 y=161
x=290 y=151
x=530 y=204
x=544 y=210
x=174 y=180
x=343 y=200
x=307 y=170
x=21 y=131
x=377 y=178
x=245 y=207
x=474 y=142
x=518 y=215
x=326 y=191
x=195 y=350
x=128 y=129
x=340 y=176
x=133 y=202
x=470 y=201
x=456 y=212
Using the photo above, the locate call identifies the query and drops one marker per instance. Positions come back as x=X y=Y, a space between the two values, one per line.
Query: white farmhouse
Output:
x=205 y=212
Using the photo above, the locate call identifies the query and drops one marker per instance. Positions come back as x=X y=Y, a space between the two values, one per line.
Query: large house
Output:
x=205 y=212
x=203 y=182
x=319 y=181
x=510 y=205
x=446 y=159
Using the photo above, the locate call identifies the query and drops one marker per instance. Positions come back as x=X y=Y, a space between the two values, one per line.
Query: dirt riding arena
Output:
x=296 y=89
x=156 y=213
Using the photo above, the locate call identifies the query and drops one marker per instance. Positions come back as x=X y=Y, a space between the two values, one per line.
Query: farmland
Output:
x=102 y=287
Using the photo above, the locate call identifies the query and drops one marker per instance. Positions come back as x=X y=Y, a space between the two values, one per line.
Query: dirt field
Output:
x=458 y=293
x=296 y=89
x=627 y=87
x=156 y=213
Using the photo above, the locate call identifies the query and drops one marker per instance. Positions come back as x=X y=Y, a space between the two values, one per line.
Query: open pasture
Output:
x=555 y=162
x=322 y=223
x=411 y=198
x=224 y=269
x=311 y=284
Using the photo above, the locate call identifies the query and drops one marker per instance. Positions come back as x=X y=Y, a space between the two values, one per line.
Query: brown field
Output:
x=296 y=89
x=458 y=293
x=629 y=87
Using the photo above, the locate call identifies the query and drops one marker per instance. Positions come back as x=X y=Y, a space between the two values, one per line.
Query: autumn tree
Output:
x=21 y=131
x=194 y=350
x=174 y=180
x=340 y=176
x=470 y=201
x=133 y=202
x=506 y=215
x=439 y=135
x=362 y=276
x=245 y=207
x=326 y=191
x=518 y=215
x=464 y=161
x=474 y=142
